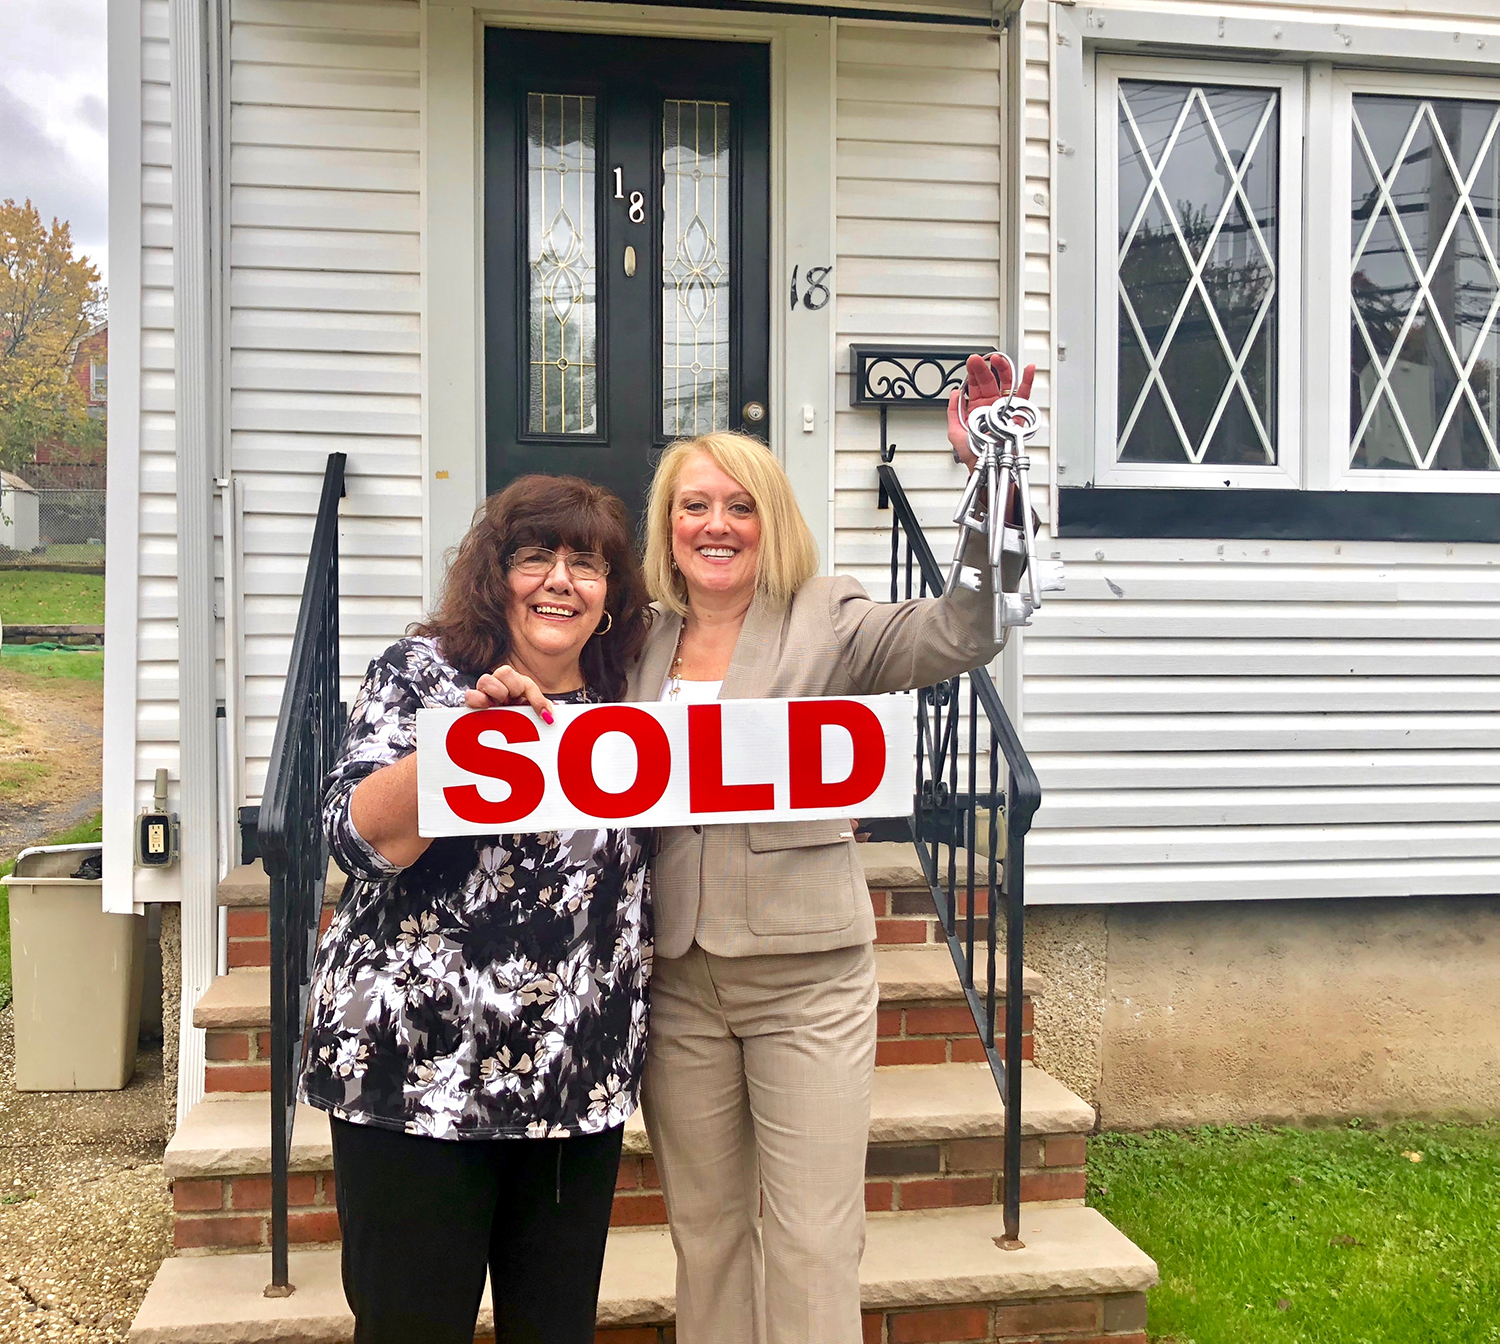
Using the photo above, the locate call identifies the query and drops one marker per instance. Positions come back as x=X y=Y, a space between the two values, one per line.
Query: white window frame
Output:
x=1290 y=82
x=1330 y=239
x=98 y=380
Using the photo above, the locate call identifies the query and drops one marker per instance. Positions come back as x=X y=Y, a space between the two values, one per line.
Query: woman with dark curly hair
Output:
x=478 y=1017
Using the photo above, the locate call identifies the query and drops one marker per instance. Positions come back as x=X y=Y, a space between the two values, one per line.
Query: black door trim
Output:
x=629 y=76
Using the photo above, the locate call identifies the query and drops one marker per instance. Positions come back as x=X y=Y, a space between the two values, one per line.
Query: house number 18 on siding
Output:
x=637 y=209
x=814 y=293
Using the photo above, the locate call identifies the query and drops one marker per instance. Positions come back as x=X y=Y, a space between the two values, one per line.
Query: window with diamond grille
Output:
x=1197 y=269
x=561 y=259
x=1425 y=284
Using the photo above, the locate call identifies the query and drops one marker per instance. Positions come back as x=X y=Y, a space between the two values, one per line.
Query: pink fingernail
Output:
x=546 y=716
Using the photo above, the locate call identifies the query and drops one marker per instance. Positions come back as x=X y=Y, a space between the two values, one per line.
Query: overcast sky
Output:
x=53 y=115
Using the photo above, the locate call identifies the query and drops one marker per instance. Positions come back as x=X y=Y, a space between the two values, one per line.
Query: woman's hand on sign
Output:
x=987 y=379
x=506 y=686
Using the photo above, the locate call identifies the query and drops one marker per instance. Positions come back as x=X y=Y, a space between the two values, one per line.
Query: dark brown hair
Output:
x=470 y=622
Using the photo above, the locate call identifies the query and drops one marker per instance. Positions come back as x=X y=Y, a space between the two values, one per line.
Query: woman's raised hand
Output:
x=506 y=686
x=987 y=379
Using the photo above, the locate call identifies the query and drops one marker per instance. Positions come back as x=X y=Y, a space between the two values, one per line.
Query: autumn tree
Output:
x=49 y=301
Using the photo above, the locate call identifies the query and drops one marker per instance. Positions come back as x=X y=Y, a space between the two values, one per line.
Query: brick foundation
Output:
x=238 y=1060
x=942 y=1032
x=1115 y=1319
x=908 y=917
x=250 y=935
x=234 y=1213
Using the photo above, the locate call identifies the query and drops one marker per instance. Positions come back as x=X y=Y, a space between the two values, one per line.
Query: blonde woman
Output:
x=762 y=1042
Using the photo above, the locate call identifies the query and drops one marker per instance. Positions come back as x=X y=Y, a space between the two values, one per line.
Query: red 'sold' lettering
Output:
x=524 y=776
x=806 y=720
x=707 y=791
x=665 y=764
x=575 y=762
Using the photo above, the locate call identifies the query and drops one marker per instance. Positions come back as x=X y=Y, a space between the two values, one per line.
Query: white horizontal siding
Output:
x=156 y=713
x=1233 y=720
x=325 y=324
x=918 y=254
x=1372 y=10
x=1236 y=720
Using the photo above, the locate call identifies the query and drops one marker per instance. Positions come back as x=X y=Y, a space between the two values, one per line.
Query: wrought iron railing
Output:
x=960 y=814
x=969 y=827
x=292 y=844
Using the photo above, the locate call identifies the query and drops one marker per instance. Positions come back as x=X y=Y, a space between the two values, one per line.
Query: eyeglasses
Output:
x=537 y=561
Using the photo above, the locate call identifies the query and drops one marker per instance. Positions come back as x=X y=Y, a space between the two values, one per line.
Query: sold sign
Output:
x=486 y=770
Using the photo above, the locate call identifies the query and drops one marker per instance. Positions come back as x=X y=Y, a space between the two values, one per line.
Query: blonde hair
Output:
x=788 y=553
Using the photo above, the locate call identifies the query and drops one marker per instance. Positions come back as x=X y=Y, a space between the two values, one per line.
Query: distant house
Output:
x=57 y=466
x=91 y=368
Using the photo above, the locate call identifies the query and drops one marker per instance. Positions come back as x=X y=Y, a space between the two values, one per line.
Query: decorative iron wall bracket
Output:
x=918 y=377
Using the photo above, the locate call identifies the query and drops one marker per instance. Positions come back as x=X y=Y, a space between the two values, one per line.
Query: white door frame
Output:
x=802 y=53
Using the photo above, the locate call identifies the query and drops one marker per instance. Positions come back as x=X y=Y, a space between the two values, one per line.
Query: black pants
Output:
x=423 y=1219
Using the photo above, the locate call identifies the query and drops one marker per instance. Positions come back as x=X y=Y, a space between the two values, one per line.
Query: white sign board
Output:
x=487 y=770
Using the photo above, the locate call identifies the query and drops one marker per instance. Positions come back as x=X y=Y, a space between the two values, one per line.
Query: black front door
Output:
x=626 y=267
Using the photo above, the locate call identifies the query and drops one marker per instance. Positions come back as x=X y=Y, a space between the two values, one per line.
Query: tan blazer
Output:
x=744 y=890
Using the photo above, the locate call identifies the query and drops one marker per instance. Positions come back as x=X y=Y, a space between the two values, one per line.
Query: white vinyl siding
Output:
x=156 y=554
x=918 y=248
x=325 y=325
x=1245 y=720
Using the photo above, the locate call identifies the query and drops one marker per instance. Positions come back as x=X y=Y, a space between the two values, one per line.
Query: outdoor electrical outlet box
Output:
x=156 y=830
x=156 y=839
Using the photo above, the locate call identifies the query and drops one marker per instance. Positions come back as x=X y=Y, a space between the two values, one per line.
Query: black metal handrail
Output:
x=293 y=847
x=946 y=816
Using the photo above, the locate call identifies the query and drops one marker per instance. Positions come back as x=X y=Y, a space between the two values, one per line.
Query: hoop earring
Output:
x=605 y=629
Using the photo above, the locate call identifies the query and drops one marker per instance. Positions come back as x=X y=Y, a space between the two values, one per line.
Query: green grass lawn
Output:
x=29 y=660
x=1326 y=1236
x=40 y=597
x=81 y=834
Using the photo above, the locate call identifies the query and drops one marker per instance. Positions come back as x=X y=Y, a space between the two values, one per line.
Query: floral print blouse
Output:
x=496 y=988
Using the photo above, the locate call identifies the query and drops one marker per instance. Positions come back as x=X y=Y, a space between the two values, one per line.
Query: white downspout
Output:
x=196 y=341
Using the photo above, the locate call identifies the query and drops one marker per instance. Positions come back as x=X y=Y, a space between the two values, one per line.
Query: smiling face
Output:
x=715 y=531
x=552 y=615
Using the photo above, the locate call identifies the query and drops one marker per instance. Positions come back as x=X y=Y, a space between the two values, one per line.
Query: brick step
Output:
x=935 y=1142
x=923 y=1018
x=925 y=1277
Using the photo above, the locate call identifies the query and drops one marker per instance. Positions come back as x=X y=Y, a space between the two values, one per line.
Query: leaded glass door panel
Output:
x=627 y=275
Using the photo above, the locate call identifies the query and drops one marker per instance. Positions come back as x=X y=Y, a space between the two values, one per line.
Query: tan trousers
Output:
x=758 y=1102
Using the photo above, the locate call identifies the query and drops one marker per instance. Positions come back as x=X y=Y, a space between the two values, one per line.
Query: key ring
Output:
x=996 y=505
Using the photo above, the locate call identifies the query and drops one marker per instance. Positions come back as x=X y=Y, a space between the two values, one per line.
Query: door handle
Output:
x=629 y=260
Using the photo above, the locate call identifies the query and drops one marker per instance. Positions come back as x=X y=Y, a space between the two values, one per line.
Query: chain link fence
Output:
x=54 y=525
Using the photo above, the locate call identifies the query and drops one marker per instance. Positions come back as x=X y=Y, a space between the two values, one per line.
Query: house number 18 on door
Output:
x=637 y=210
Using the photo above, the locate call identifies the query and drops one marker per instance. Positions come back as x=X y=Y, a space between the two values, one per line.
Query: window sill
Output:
x=1291 y=515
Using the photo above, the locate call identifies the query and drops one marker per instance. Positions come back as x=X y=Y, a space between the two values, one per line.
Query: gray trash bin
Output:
x=76 y=975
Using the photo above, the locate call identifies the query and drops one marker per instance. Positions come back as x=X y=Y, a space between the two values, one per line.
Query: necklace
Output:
x=674 y=673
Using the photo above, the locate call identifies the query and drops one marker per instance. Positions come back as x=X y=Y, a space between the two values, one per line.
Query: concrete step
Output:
x=248 y=886
x=923 y=1018
x=935 y=1142
x=924 y=1276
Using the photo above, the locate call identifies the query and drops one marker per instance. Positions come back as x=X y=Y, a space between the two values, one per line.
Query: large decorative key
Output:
x=996 y=506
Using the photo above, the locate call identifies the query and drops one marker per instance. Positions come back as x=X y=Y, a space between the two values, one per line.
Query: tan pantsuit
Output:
x=758 y=1080
x=763 y=995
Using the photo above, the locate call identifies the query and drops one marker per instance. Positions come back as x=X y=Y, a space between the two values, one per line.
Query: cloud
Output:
x=53 y=118
x=39 y=168
x=93 y=113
